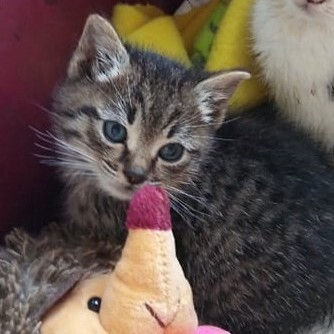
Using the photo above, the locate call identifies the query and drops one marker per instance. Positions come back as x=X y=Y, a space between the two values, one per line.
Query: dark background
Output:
x=36 y=40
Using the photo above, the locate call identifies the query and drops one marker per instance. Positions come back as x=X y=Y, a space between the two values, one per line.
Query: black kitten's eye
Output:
x=171 y=152
x=94 y=304
x=114 y=132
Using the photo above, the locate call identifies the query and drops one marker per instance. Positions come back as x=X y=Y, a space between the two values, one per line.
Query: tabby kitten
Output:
x=252 y=201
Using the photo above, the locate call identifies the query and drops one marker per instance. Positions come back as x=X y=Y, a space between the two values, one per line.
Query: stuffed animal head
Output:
x=44 y=288
x=146 y=293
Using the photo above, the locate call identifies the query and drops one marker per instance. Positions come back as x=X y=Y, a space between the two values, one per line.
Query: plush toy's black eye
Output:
x=114 y=132
x=171 y=152
x=94 y=304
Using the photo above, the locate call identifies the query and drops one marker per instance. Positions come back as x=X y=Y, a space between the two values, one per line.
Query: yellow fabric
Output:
x=231 y=50
x=198 y=17
x=129 y=18
x=149 y=28
x=160 y=34
x=173 y=36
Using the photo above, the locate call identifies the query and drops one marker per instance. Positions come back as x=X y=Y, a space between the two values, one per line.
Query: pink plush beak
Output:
x=149 y=209
x=210 y=330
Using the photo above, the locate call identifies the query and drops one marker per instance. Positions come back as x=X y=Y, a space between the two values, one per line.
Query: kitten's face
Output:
x=133 y=130
x=309 y=9
x=124 y=119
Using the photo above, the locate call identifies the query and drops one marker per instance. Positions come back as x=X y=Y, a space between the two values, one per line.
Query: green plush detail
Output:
x=205 y=38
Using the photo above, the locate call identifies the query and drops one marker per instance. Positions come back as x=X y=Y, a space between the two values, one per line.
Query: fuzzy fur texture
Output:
x=261 y=238
x=293 y=41
x=36 y=272
x=252 y=200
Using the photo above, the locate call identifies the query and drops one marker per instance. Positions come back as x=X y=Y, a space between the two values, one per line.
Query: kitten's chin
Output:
x=118 y=190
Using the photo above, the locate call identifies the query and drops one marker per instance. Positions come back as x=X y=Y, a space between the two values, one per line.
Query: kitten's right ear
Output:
x=214 y=93
x=100 y=53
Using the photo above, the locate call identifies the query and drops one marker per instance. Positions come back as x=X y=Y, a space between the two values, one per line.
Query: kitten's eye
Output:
x=171 y=152
x=114 y=132
x=94 y=304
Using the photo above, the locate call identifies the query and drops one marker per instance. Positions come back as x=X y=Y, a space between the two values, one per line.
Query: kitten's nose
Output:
x=135 y=175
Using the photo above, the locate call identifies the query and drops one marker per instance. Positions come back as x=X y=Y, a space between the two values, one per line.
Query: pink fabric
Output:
x=210 y=330
x=37 y=38
x=149 y=209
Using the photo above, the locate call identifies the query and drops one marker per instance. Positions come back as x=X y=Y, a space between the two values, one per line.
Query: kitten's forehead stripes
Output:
x=70 y=114
x=90 y=111
x=172 y=131
x=173 y=117
x=131 y=114
x=138 y=95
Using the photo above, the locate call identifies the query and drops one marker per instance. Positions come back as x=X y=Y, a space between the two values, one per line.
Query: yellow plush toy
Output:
x=178 y=36
x=147 y=293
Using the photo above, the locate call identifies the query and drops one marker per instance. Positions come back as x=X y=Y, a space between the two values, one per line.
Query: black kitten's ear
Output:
x=215 y=92
x=100 y=53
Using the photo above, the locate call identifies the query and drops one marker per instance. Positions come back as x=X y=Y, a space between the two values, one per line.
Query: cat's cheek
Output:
x=109 y=165
x=175 y=167
x=174 y=174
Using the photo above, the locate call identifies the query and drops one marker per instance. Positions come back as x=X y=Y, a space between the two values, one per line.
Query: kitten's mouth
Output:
x=310 y=7
x=316 y=2
x=308 y=3
x=118 y=190
x=123 y=192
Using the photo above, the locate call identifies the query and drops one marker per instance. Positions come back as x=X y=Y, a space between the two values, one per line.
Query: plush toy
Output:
x=217 y=30
x=147 y=291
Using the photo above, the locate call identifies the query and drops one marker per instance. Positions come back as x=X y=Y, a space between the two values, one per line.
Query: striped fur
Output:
x=252 y=200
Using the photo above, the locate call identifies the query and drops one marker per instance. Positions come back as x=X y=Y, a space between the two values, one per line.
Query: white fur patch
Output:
x=202 y=101
x=295 y=48
x=108 y=67
x=218 y=89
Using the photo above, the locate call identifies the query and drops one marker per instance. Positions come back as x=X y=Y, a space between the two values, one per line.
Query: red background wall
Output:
x=36 y=40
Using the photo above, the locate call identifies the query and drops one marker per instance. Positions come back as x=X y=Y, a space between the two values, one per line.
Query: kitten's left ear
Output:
x=100 y=53
x=215 y=92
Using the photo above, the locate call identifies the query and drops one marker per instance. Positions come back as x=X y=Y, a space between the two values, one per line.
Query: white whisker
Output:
x=65 y=155
x=45 y=148
x=128 y=89
x=108 y=168
x=186 y=208
x=48 y=111
x=173 y=203
x=214 y=123
x=176 y=190
x=212 y=137
x=62 y=144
